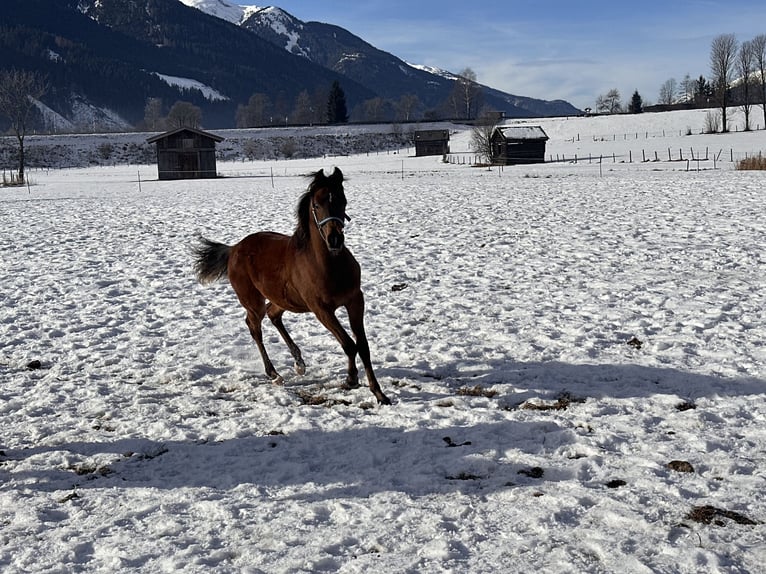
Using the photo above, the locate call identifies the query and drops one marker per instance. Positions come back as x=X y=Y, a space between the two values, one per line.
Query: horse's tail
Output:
x=211 y=260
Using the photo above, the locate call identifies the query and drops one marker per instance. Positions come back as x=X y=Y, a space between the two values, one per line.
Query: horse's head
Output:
x=325 y=207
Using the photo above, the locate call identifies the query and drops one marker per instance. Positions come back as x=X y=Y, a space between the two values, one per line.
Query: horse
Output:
x=311 y=270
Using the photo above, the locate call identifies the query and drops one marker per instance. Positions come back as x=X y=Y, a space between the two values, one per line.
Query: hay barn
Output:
x=186 y=153
x=513 y=145
x=431 y=142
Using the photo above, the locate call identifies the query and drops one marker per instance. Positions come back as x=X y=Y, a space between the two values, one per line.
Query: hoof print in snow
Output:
x=534 y=472
x=711 y=515
x=561 y=404
x=69 y=497
x=635 y=343
x=311 y=399
x=680 y=466
x=451 y=443
x=464 y=476
x=616 y=483
x=477 y=391
x=91 y=471
x=685 y=406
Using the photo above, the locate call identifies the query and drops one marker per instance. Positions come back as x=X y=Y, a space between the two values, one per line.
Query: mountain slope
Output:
x=105 y=59
x=339 y=50
x=110 y=52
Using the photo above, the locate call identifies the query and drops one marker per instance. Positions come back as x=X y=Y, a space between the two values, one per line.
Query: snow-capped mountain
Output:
x=229 y=11
x=116 y=55
x=341 y=51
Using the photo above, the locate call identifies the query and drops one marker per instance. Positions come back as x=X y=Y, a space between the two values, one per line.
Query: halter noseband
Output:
x=321 y=223
x=329 y=219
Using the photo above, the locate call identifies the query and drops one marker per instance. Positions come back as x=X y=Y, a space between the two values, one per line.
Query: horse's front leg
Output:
x=355 y=311
x=327 y=317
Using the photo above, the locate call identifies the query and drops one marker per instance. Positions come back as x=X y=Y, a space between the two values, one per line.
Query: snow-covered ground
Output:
x=558 y=336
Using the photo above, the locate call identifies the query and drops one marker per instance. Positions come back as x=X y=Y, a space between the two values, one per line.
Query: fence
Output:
x=640 y=156
x=666 y=155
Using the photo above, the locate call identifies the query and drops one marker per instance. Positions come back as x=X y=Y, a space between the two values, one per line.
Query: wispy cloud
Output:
x=551 y=50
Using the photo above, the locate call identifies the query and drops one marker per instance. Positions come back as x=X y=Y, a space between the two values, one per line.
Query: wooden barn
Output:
x=513 y=145
x=186 y=153
x=431 y=142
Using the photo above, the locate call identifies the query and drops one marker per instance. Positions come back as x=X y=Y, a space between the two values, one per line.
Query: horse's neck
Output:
x=318 y=248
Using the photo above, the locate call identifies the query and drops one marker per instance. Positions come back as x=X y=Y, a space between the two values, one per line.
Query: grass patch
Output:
x=757 y=162
x=711 y=515
x=477 y=391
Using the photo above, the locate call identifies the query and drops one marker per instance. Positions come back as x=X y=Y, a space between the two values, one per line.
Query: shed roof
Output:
x=522 y=132
x=432 y=135
x=215 y=137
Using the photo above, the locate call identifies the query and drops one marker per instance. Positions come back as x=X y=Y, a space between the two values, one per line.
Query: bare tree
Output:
x=723 y=53
x=609 y=103
x=373 y=109
x=745 y=68
x=153 y=114
x=466 y=95
x=302 y=113
x=184 y=115
x=668 y=92
x=481 y=135
x=406 y=106
x=19 y=91
x=256 y=113
x=687 y=88
x=759 y=57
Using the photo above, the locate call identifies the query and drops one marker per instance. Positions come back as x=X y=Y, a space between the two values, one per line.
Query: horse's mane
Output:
x=303 y=212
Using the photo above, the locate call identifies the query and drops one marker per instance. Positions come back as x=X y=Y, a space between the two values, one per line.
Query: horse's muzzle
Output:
x=335 y=240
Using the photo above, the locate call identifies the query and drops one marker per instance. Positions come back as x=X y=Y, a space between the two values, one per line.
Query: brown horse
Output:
x=310 y=271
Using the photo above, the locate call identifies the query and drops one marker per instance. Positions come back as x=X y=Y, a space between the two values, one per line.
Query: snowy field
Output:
x=575 y=355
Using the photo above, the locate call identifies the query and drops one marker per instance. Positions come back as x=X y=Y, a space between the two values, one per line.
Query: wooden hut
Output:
x=518 y=144
x=431 y=142
x=186 y=153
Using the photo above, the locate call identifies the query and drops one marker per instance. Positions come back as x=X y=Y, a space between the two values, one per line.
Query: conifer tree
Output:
x=636 y=104
x=336 y=105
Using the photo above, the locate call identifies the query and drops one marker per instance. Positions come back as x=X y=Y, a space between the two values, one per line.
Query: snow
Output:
x=559 y=334
x=234 y=13
x=522 y=132
x=218 y=8
x=189 y=84
x=434 y=71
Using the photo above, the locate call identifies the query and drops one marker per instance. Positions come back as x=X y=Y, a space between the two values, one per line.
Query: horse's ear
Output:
x=337 y=175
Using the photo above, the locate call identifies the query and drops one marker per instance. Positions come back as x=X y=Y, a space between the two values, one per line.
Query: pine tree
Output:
x=636 y=104
x=336 y=105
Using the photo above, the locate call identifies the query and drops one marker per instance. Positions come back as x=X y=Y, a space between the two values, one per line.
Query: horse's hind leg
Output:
x=275 y=314
x=253 y=321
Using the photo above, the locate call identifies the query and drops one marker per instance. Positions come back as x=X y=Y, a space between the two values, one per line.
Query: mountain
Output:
x=105 y=59
x=341 y=51
x=116 y=54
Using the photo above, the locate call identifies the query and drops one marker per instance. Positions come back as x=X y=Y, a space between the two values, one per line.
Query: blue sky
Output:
x=548 y=49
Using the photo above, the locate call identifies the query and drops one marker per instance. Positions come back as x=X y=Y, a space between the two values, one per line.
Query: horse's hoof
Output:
x=351 y=384
x=278 y=380
x=300 y=368
x=383 y=399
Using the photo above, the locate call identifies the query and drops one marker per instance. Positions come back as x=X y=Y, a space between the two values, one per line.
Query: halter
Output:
x=328 y=219
x=321 y=223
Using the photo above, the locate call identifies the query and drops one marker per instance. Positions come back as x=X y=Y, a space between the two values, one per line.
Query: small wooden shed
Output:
x=513 y=145
x=431 y=142
x=186 y=153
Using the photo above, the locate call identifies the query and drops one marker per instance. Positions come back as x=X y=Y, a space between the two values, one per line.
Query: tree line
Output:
x=737 y=79
x=21 y=91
